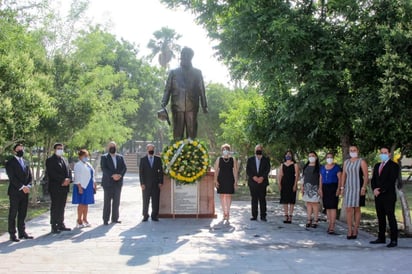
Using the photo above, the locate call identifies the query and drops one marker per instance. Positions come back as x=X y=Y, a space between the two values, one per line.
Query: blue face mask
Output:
x=384 y=157
x=85 y=159
x=288 y=157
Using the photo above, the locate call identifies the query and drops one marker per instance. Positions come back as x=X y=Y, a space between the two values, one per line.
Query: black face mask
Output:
x=112 y=150
x=258 y=152
x=151 y=152
x=19 y=153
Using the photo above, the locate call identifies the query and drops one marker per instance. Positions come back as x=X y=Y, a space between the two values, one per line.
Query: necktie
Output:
x=23 y=166
x=151 y=161
x=381 y=167
x=257 y=164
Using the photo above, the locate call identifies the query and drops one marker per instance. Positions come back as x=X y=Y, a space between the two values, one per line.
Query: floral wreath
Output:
x=186 y=161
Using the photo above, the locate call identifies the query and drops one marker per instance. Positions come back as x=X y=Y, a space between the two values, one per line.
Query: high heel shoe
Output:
x=309 y=223
x=315 y=224
x=290 y=219
x=286 y=219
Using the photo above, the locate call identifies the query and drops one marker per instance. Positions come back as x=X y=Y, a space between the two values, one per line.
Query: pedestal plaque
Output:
x=188 y=201
x=185 y=198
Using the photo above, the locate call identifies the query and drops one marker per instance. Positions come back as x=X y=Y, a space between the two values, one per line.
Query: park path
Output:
x=196 y=245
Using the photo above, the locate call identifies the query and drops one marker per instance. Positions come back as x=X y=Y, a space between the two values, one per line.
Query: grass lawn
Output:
x=33 y=211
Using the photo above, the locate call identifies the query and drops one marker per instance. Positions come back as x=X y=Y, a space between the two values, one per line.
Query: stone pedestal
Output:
x=175 y=201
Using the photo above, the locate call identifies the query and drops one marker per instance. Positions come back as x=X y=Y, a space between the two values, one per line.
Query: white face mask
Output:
x=59 y=152
x=329 y=161
x=353 y=154
x=312 y=159
x=225 y=152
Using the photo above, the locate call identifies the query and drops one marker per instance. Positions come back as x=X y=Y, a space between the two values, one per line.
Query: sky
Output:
x=136 y=20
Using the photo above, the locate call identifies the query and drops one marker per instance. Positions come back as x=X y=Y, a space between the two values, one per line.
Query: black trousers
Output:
x=153 y=193
x=258 y=193
x=111 y=203
x=182 y=120
x=385 y=208
x=18 y=208
x=57 y=206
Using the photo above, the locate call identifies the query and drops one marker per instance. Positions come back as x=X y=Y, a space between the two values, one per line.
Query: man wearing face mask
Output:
x=151 y=180
x=257 y=170
x=59 y=177
x=113 y=168
x=384 y=178
x=19 y=188
x=185 y=87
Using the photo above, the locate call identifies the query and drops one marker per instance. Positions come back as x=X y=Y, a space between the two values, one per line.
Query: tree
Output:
x=23 y=83
x=164 y=45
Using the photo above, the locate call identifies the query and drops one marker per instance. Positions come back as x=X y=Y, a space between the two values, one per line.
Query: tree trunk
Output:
x=404 y=203
x=405 y=212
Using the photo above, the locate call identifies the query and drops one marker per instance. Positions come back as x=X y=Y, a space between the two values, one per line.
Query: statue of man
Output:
x=186 y=88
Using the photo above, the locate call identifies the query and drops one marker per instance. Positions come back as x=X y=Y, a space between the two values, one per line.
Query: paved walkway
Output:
x=196 y=245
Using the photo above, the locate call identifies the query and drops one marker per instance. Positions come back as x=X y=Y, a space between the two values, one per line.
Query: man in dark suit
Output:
x=185 y=87
x=151 y=180
x=19 y=188
x=113 y=168
x=384 y=178
x=257 y=170
x=59 y=177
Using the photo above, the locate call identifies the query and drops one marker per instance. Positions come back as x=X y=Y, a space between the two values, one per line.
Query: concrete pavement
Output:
x=196 y=245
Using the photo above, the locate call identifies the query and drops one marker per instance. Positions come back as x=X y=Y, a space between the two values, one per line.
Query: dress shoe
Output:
x=253 y=219
x=145 y=219
x=14 y=239
x=26 y=236
x=63 y=228
x=378 y=241
x=155 y=219
x=105 y=223
x=117 y=222
x=263 y=219
x=55 y=231
x=392 y=244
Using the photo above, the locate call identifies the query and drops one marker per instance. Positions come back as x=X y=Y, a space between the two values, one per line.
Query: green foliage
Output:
x=23 y=83
x=328 y=70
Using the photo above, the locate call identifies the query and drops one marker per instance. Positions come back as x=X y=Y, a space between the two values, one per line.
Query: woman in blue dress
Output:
x=330 y=182
x=84 y=187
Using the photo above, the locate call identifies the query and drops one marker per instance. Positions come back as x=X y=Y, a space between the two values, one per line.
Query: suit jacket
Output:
x=17 y=176
x=264 y=169
x=148 y=175
x=108 y=169
x=386 y=181
x=186 y=88
x=57 y=170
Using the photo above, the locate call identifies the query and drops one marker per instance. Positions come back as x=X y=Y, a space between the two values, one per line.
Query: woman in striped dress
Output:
x=355 y=179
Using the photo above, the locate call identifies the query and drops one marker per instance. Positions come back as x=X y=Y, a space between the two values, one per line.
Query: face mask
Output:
x=19 y=153
x=258 y=152
x=353 y=154
x=384 y=157
x=312 y=159
x=225 y=152
x=59 y=152
x=112 y=150
x=329 y=161
x=85 y=159
x=151 y=152
x=288 y=157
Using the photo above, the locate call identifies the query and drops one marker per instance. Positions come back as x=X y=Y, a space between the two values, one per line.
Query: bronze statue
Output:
x=185 y=87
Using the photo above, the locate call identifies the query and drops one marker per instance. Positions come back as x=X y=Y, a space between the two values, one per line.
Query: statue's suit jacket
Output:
x=186 y=89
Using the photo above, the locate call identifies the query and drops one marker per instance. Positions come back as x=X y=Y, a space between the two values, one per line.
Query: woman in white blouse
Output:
x=84 y=187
